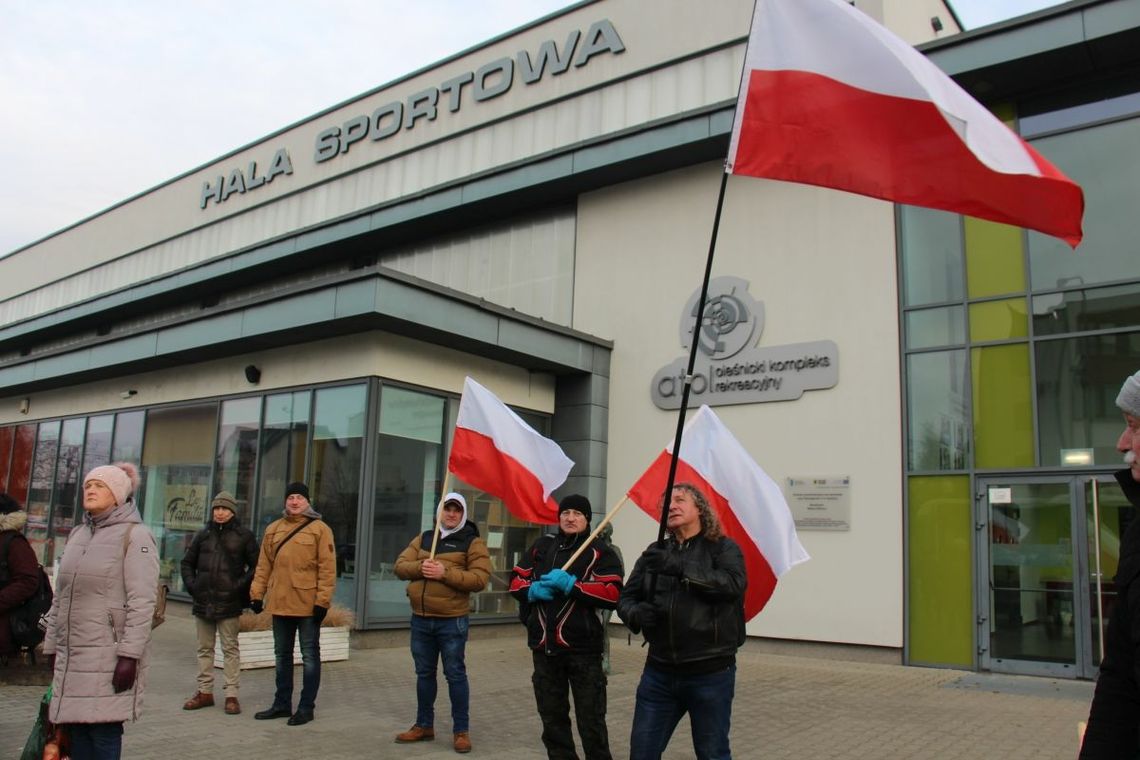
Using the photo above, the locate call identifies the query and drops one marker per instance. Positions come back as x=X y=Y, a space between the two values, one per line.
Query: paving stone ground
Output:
x=786 y=707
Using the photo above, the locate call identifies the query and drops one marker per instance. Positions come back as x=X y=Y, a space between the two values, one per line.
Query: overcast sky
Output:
x=103 y=100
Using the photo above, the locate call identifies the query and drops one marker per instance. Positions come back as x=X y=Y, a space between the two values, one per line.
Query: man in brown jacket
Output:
x=295 y=580
x=440 y=592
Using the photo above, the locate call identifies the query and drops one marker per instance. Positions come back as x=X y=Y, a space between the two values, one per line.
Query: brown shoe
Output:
x=198 y=701
x=416 y=734
x=462 y=742
x=232 y=706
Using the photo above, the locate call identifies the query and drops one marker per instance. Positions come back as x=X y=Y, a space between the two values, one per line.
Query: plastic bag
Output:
x=34 y=747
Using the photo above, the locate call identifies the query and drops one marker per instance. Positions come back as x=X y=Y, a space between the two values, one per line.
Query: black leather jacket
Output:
x=701 y=612
x=218 y=569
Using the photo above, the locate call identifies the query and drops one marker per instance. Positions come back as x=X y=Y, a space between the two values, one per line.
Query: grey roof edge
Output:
x=996 y=29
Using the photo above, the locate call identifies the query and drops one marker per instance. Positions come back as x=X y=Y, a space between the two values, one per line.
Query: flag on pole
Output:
x=831 y=98
x=496 y=451
x=749 y=504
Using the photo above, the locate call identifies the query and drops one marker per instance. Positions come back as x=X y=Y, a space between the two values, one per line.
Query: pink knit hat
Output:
x=121 y=477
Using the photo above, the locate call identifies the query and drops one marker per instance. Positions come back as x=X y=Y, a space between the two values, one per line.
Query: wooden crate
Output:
x=256 y=648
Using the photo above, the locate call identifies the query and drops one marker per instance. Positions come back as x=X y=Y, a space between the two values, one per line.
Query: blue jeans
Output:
x=95 y=741
x=434 y=639
x=285 y=631
x=662 y=698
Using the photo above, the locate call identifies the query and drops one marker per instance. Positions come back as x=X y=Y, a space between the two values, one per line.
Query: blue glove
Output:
x=539 y=592
x=561 y=580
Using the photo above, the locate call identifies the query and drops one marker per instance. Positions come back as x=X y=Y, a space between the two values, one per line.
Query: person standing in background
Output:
x=20 y=579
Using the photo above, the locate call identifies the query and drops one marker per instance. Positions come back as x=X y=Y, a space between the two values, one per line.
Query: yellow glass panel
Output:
x=1003 y=410
x=995 y=258
x=999 y=320
x=940 y=607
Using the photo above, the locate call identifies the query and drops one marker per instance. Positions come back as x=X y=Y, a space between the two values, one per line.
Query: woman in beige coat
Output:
x=100 y=621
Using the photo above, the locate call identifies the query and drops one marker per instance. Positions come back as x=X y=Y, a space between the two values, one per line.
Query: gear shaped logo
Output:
x=731 y=321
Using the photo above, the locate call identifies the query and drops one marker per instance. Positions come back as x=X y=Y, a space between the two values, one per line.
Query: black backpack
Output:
x=27 y=622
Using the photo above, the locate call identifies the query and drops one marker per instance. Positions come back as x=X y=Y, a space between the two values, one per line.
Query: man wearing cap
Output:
x=1114 y=719
x=439 y=590
x=217 y=571
x=564 y=615
x=295 y=580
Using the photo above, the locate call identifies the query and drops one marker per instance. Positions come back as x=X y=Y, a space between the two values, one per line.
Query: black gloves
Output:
x=658 y=559
x=319 y=613
x=125 y=671
x=257 y=606
x=643 y=615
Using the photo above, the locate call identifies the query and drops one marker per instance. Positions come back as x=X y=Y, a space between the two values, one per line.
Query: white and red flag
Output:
x=494 y=450
x=750 y=505
x=831 y=98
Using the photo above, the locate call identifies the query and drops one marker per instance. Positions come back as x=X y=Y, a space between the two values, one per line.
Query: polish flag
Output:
x=750 y=505
x=494 y=450
x=831 y=98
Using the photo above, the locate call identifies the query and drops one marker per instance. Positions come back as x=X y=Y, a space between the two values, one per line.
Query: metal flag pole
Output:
x=688 y=379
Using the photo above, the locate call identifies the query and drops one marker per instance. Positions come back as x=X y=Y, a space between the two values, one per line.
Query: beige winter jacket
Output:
x=302 y=574
x=104 y=601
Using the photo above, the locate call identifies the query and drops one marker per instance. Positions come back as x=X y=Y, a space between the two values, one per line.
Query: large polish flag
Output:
x=496 y=451
x=750 y=505
x=829 y=97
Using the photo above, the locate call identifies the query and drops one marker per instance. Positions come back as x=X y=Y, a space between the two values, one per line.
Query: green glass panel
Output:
x=940 y=604
x=927 y=328
x=995 y=262
x=998 y=320
x=1003 y=411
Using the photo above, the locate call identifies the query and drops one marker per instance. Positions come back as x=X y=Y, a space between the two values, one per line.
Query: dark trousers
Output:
x=95 y=741
x=662 y=698
x=285 y=632
x=554 y=677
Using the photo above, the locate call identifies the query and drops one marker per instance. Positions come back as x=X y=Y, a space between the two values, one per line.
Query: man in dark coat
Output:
x=21 y=579
x=564 y=615
x=217 y=571
x=1114 y=719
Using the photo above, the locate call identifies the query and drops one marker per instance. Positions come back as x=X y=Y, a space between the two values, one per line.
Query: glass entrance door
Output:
x=1031 y=616
x=1107 y=515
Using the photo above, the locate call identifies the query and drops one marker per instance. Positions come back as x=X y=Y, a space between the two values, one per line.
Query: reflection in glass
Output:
x=1109 y=251
x=1086 y=310
x=67 y=485
x=97 y=444
x=998 y=320
x=7 y=435
x=237 y=452
x=1077 y=383
x=20 y=474
x=1116 y=514
x=931 y=251
x=937 y=411
x=39 y=492
x=284 y=444
x=1031 y=575
x=928 y=328
x=128 y=438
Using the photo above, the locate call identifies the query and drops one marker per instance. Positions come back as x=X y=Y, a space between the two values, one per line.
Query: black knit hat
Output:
x=297 y=488
x=578 y=502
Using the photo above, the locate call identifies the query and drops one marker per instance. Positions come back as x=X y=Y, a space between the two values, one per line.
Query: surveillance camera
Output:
x=127 y=394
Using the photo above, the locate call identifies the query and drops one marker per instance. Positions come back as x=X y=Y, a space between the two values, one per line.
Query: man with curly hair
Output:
x=687 y=597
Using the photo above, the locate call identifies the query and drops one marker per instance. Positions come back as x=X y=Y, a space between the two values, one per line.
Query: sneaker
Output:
x=232 y=706
x=416 y=734
x=462 y=742
x=198 y=701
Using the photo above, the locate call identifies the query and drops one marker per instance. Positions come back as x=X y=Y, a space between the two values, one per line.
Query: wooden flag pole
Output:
x=439 y=512
x=605 y=521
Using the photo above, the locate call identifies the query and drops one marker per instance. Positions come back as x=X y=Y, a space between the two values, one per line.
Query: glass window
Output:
x=1077 y=383
x=20 y=474
x=995 y=258
x=7 y=434
x=128 y=437
x=237 y=452
x=938 y=412
x=1103 y=160
x=39 y=493
x=1003 y=407
x=338 y=444
x=409 y=464
x=67 y=481
x=931 y=249
x=97 y=444
x=177 y=455
x=1086 y=310
x=998 y=320
x=284 y=444
x=929 y=328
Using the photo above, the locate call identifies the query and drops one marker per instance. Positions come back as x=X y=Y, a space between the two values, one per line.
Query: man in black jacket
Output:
x=565 y=630
x=217 y=571
x=687 y=597
x=1114 y=719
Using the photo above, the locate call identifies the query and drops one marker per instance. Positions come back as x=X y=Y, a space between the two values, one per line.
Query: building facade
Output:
x=535 y=212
